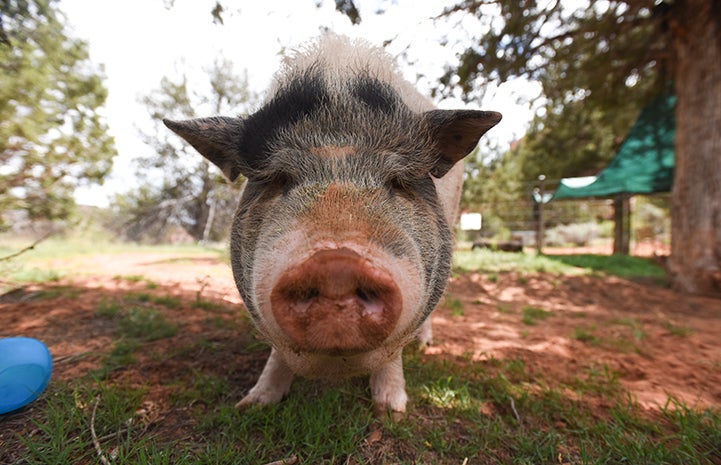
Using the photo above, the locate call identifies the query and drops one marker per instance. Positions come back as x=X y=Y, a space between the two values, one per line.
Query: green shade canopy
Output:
x=644 y=163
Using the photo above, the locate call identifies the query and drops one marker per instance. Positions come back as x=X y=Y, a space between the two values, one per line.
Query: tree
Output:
x=180 y=187
x=52 y=136
x=612 y=57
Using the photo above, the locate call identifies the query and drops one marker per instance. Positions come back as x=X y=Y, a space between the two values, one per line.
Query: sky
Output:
x=138 y=42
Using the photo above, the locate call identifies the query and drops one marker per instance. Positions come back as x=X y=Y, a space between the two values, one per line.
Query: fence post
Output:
x=539 y=227
x=622 y=224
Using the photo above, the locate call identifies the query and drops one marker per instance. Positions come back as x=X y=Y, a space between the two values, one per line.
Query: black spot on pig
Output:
x=300 y=99
x=376 y=95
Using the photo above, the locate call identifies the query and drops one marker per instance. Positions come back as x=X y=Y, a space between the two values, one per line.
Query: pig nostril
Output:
x=364 y=295
x=310 y=294
x=302 y=295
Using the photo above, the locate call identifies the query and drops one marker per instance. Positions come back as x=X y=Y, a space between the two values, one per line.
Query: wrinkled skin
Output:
x=341 y=245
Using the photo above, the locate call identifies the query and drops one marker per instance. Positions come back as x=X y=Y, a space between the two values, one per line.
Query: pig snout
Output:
x=336 y=302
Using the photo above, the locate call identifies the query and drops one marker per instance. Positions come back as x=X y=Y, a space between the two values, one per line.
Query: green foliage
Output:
x=567 y=140
x=52 y=137
x=578 y=234
x=598 y=64
x=490 y=180
x=596 y=53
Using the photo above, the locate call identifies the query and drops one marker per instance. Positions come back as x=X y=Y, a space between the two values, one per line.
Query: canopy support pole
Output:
x=622 y=224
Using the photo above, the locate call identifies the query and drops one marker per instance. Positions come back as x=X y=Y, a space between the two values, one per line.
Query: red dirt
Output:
x=660 y=343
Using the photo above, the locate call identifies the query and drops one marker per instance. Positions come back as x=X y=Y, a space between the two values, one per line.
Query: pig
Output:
x=341 y=244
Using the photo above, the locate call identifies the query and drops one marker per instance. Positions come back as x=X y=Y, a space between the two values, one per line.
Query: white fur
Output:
x=388 y=387
x=342 y=58
x=273 y=384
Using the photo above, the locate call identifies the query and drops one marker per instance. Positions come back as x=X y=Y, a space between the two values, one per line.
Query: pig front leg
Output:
x=388 y=388
x=273 y=384
x=425 y=333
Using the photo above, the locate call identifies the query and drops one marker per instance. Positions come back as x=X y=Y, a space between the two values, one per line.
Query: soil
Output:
x=657 y=342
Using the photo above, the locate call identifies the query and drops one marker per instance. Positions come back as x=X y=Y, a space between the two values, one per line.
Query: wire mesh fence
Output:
x=572 y=223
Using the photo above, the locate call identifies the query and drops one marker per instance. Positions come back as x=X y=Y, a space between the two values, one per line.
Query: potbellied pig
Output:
x=341 y=245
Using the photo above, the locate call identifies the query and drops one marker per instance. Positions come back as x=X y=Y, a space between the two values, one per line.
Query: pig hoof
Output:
x=424 y=343
x=256 y=398
x=381 y=411
x=425 y=334
x=393 y=403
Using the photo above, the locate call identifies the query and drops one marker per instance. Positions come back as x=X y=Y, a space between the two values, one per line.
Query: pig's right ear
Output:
x=456 y=134
x=216 y=138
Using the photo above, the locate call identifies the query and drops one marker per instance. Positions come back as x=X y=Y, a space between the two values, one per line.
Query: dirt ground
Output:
x=659 y=343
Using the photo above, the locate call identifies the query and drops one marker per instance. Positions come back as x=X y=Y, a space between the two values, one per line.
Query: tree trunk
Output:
x=695 y=262
x=202 y=200
x=211 y=217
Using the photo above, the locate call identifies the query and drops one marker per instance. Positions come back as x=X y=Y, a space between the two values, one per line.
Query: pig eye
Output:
x=396 y=186
x=285 y=182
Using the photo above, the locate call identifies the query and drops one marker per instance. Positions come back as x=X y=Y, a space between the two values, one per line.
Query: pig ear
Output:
x=215 y=138
x=456 y=134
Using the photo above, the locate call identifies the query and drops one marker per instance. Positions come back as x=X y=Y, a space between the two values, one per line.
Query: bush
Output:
x=578 y=234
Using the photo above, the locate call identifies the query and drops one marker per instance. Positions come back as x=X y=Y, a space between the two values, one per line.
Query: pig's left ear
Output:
x=456 y=134
x=216 y=138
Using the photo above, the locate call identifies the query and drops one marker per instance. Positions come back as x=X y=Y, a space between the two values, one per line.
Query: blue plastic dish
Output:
x=25 y=368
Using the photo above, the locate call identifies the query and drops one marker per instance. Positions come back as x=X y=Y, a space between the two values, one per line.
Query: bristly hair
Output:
x=359 y=101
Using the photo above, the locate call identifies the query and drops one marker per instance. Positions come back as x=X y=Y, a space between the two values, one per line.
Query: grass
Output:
x=624 y=266
x=531 y=315
x=481 y=413
x=492 y=263
x=454 y=304
x=677 y=330
x=32 y=265
x=622 y=341
x=461 y=411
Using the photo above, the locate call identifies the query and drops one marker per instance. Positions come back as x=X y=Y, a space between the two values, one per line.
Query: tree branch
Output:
x=26 y=249
x=96 y=443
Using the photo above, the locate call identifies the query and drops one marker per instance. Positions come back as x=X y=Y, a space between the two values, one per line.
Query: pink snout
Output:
x=336 y=302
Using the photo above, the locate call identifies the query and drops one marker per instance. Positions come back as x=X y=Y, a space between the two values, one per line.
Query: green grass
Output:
x=531 y=315
x=78 y=245
x=677 y=330
x=491 y=412
x=622 y=341
x=137 y=279
x=454 y=305
x=491 y=262
x=145 y=324
x=31 y=266
x=624 y=266
x=586 y=335
x=634 y=325
x=133 y=325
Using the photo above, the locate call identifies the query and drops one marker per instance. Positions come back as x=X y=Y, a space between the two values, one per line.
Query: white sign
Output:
x=471 y=221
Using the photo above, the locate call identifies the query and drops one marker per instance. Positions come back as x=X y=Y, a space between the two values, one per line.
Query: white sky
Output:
x=140 y=41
